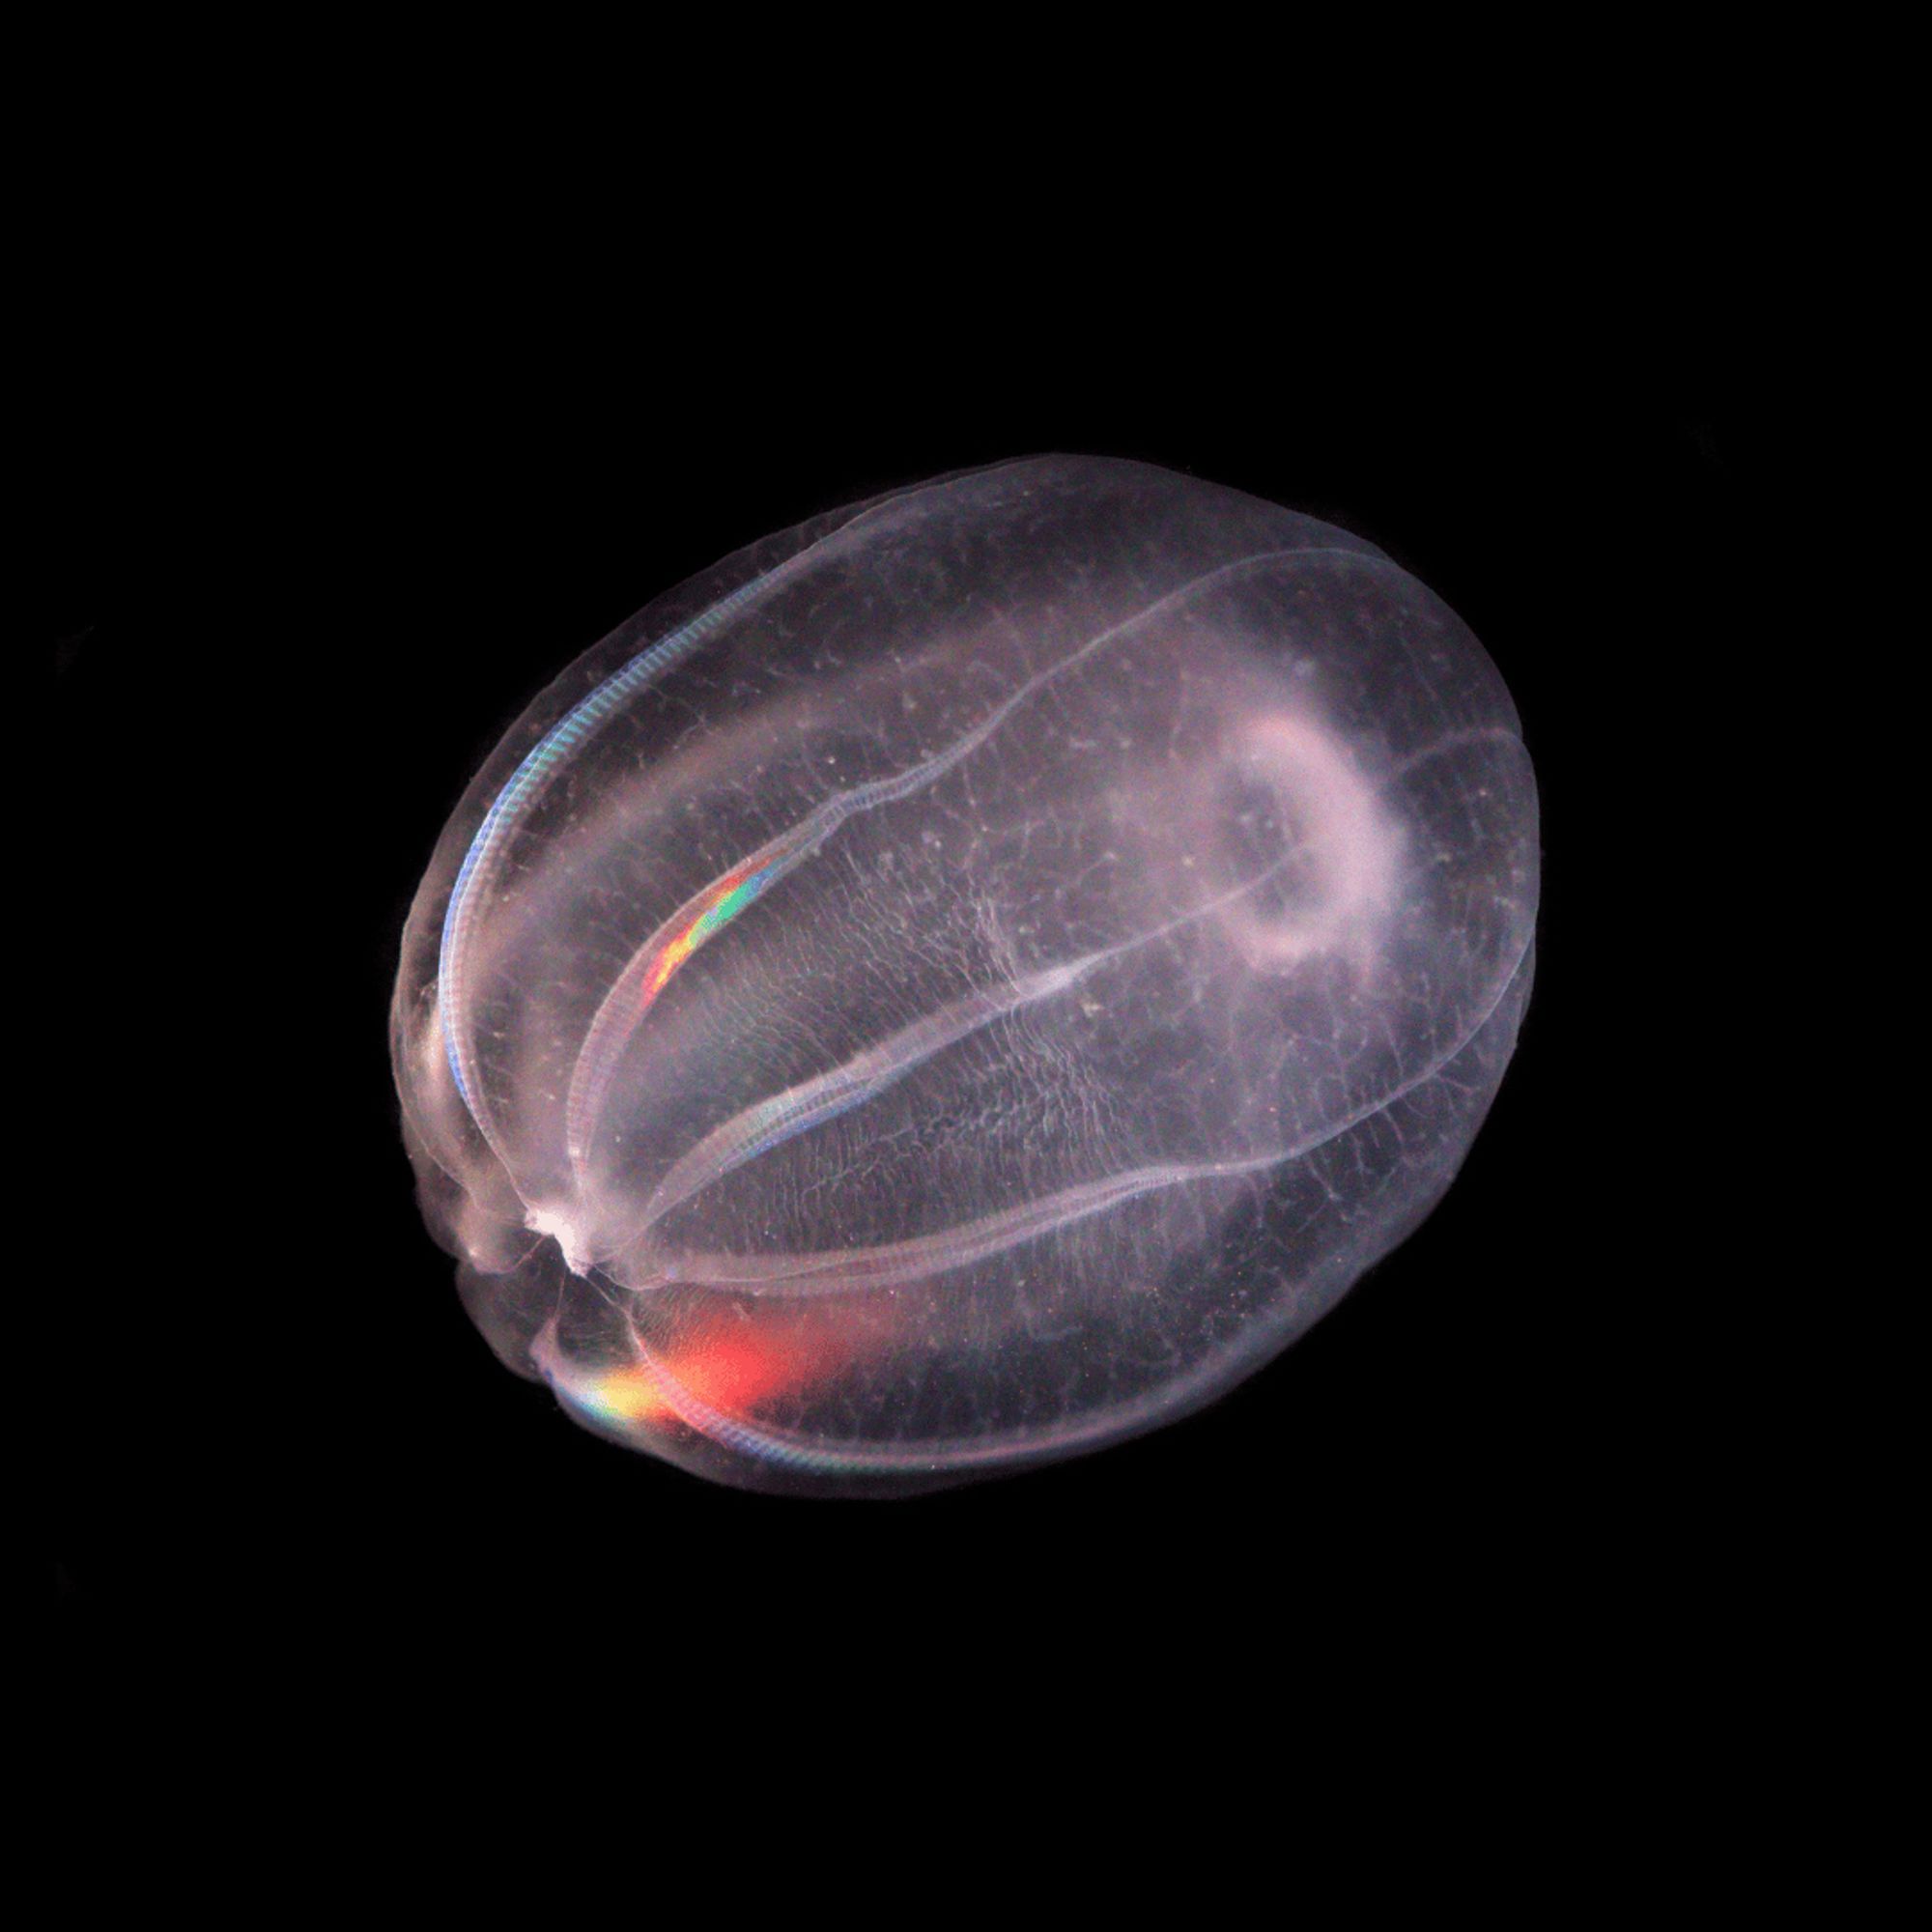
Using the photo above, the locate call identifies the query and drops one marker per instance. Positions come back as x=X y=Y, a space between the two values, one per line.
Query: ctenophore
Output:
x=968 y=978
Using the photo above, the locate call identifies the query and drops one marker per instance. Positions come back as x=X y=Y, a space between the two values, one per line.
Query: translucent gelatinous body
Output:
x=968 y=978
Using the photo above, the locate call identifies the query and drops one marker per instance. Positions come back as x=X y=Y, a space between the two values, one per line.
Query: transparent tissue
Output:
x=968 y=978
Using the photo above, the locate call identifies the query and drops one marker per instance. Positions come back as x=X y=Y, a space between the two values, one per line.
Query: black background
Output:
x=292 y=588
